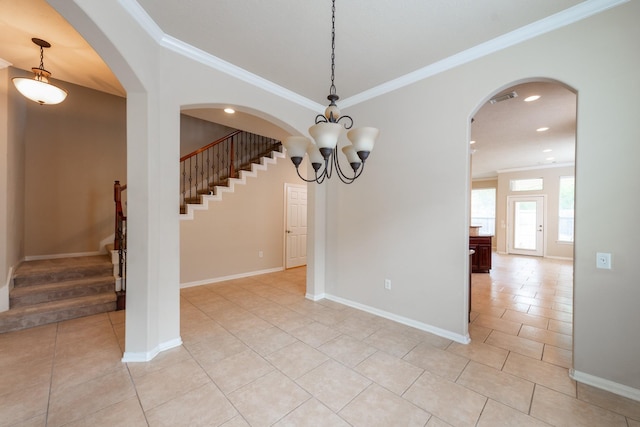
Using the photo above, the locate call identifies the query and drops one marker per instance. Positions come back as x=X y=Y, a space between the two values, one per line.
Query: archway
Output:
x=511 y=146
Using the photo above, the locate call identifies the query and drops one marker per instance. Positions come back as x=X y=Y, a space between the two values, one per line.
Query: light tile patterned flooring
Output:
x=257 y=353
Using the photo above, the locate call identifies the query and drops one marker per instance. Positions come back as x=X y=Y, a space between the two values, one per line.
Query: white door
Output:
x=525 y=223
x=296 y=225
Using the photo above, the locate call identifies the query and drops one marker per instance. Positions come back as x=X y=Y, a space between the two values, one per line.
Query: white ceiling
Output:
x=287 y=42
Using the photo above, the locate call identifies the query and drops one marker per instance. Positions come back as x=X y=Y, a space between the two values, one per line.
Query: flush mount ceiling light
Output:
x=39 y=89
x=325 y=133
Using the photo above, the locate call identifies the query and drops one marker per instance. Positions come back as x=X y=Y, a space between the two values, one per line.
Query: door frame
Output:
x=510 y=225
x=285 y=219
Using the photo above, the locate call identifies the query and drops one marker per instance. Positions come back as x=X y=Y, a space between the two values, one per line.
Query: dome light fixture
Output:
x=325 y=133
x=39 y=89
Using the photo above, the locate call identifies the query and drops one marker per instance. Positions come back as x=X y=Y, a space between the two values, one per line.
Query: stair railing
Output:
x=220 y=160
x=120 y=241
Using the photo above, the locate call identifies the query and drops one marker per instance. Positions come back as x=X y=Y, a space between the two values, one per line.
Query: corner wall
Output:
x=75 y=151
x=406 y=218
x=12 y=181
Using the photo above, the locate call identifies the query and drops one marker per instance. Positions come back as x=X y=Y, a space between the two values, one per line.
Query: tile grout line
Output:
x=53 y=358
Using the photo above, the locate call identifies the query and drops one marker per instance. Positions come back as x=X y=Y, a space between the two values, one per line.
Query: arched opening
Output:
x=522 y=146
x=236 y=219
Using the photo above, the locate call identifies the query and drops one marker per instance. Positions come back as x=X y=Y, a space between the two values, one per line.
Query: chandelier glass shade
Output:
x=326 y=132
x=38 y=88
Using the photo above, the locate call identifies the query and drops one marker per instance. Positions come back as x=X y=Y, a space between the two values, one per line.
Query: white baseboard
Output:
x=315 y=297
x=462 y=339
x=4 y=291
x=231 y=277
x=145 y=356
x=604 y=384
x=69 y=255
x=561 y=258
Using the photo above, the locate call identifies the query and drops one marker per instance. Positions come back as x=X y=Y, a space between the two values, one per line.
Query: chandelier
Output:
x=39 y=89
x=326 y=132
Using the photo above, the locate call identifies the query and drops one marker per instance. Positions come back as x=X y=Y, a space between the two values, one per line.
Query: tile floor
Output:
x=257 y=353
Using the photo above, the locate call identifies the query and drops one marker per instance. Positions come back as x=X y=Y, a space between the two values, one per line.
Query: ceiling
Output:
x=288 y=43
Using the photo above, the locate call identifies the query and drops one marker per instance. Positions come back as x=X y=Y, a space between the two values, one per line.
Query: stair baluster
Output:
x=120 y=243
x=224 y=159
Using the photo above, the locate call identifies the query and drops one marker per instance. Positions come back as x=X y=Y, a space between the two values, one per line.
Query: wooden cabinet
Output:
x=481 y=260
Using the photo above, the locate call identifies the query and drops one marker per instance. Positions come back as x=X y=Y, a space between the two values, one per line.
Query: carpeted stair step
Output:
x=36 y=294
x=39 y=272
x=56 y=311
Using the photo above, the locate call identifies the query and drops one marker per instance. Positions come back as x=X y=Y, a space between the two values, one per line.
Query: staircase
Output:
x=226 y=184
x=211 y=169
x=52 y=290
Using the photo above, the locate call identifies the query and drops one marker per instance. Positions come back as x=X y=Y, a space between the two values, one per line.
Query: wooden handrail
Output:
x=120 y=217
x=206 y=147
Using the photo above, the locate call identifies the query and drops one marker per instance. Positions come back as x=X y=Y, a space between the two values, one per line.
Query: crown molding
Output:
x=178 y=46
x=536 y=167
x=223 y=66
x=566 y=17
x=553 y=22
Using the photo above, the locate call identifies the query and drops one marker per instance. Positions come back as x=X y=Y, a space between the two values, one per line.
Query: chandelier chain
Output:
x=41 y=58
x=332 y=89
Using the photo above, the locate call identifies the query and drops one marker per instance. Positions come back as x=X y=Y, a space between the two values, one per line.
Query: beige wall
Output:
x=73 y=211
x=407 y=218
x=74 y=151
x=551 y=189
x=12 y=152
x=225 y=239
x=196 y=133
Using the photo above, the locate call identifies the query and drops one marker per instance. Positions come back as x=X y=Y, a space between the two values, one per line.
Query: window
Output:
x=526 y=184
x=483 y=209
x=566 y=209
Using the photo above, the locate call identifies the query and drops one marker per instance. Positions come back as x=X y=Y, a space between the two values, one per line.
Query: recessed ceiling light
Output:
x=548 y=150
x=532 y=98
x=543 y=129
x=472 y=142
x=229 y=110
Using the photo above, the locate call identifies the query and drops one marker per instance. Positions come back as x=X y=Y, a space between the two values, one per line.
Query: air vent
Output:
x=503 y=97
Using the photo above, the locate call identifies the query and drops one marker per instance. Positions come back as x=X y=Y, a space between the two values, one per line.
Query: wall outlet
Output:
x=603 y=260
x=387 y=284
x=260 y=254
